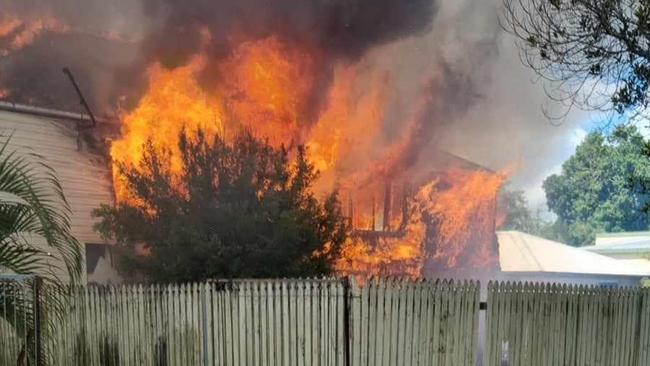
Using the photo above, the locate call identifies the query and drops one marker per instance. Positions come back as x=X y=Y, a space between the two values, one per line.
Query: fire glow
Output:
x=268 y=86
x=17 y=33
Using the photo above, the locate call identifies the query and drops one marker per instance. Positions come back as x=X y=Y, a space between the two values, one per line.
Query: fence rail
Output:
x=334 y=322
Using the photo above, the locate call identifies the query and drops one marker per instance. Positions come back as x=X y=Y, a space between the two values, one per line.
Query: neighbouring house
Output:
x=67 y=144
x=526 y=257
x=623 y=245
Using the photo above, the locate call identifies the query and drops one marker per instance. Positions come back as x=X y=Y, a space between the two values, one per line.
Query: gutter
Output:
x=637 y=250
x=51 y=113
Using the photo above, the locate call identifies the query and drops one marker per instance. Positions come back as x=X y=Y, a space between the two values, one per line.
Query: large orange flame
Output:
x=174 y=101
x=464 y=205
x=458 y=207
x=266 y=86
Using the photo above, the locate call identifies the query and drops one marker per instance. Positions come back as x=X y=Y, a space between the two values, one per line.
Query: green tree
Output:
x=602 y=187
x=517 y=214
x=594 y=53
x=237 y=209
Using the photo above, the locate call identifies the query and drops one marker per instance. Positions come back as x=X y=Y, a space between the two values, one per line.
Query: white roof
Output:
x=520 y=252
x=623 y=238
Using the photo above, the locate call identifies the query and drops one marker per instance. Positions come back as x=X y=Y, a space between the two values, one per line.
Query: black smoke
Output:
x=333 y=30
x=97 y=39
x=339 y=28
x=109 y=44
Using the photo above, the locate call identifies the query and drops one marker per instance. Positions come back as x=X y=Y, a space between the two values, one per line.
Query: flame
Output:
x=468 y=202
x=8 y=26
x=264 y=89
x=267 y=86
x=348 y=128
x=377 y=254
x=458 y=208
x=174 y=101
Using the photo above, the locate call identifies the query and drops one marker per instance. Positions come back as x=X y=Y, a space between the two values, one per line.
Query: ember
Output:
x=16 y=33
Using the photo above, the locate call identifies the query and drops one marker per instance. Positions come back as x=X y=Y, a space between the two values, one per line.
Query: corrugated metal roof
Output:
x=520 y=252
x=622 y=243
x=638 y=246
x=85 y=177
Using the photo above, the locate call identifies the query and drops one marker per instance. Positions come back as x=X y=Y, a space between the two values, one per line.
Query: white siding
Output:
x=85 y=176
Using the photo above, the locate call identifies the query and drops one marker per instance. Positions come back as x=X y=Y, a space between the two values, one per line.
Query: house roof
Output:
x=623 y=234
x=623 y=243
x=631 y=247
x=520 y=252
x=51 y=113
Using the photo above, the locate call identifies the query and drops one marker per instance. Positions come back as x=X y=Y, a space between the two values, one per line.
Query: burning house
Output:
x=371 y=88
x=320 y=74
x=443 y=225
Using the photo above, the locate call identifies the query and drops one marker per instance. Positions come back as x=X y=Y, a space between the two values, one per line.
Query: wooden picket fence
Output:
x=288 y=322
x=19 y=341
x=398 y=322
x=339 y=322
x=543 y=324
x=272 y=322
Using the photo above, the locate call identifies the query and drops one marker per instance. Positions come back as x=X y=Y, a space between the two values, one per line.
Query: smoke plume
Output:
x=94 y=38
x=339 y=28
x=453 y=77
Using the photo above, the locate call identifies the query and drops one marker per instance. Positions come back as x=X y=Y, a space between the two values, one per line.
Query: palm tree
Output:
x=35 y=239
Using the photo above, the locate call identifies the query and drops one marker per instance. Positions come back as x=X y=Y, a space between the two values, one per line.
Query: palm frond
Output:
x=33 y=206
x=35 y=238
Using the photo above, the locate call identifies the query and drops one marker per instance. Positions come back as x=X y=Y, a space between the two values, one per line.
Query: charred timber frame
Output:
x=387 y=204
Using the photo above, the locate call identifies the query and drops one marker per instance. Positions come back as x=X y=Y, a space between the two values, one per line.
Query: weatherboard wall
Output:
x=84 y=175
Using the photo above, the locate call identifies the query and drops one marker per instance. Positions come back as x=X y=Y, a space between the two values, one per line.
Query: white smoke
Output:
x=502 y=124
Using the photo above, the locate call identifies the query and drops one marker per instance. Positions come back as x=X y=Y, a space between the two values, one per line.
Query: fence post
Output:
x=38 y=318
x=204 y=313
x=347 y=293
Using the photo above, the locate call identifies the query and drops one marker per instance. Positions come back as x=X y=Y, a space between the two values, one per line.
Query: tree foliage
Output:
x=595 y=53
x=602 y=187
x=236 y=209
x=517 y=214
